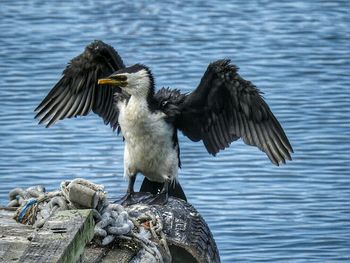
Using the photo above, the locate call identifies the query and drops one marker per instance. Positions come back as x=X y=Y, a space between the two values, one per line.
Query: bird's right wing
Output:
x=77 y=92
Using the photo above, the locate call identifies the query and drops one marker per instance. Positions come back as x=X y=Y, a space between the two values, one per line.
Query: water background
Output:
x=296 y=52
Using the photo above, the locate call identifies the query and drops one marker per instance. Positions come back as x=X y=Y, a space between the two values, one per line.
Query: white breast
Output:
x=149 y=147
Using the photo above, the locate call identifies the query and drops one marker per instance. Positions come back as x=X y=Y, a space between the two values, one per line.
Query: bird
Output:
x=223 y=108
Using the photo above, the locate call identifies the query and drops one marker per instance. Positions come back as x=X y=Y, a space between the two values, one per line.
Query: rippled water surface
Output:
x=296 y=52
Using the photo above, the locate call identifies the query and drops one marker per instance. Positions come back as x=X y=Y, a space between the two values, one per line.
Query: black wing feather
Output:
x=225 y=107
x=168 y=100
x=77 y=92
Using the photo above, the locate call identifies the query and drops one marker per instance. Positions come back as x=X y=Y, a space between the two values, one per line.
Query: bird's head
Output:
x=136 y=80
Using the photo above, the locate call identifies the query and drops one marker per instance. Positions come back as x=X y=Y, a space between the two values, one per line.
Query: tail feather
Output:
x=175 y=188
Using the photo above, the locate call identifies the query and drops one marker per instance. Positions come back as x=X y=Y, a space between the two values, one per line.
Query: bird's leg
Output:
x=165 y=188
x=131 y=184
x=128 y=199
x=162 y=197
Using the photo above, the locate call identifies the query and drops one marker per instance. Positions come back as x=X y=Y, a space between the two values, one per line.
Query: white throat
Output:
x=138 y=83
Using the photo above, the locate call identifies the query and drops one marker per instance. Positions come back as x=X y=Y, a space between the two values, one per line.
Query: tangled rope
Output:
x=113 y=221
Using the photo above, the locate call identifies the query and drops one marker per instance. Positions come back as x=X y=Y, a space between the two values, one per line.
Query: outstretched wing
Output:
x=77 y=92
x=224 y=108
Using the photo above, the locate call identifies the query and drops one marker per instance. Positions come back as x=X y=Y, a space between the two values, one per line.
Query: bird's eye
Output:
x=164 y=103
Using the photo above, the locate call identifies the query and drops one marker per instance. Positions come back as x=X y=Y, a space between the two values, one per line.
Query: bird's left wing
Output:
x=77 y=92
x=224 y=108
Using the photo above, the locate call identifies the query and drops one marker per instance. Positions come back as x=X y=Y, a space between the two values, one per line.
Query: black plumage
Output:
x=77 y=92
x=223 y=108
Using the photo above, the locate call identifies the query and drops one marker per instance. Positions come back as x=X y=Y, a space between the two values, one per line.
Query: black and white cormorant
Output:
x=223 y=108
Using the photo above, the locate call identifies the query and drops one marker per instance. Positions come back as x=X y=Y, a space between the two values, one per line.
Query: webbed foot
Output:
x=126 y=200
x=159 y=199
x=135 y=198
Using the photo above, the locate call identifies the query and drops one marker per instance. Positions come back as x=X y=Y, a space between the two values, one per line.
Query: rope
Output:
x=29 y=208
x=112 y=221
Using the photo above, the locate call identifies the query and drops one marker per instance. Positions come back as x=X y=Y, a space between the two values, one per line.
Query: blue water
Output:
x=296 y=52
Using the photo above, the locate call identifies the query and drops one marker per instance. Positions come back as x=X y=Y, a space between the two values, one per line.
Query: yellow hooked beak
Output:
x=107 y=82
x=119 y=81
